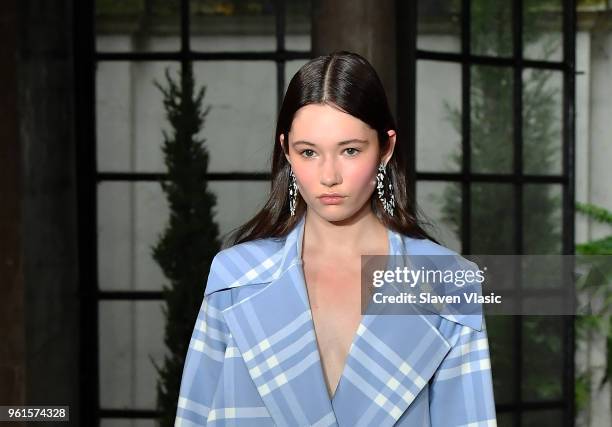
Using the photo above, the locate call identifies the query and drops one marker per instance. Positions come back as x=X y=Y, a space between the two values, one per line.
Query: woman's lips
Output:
x=331 y=200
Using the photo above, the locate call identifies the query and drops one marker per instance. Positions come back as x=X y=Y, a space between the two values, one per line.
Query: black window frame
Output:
x=408 y=55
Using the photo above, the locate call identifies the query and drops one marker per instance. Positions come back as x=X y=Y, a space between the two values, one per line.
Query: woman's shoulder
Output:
x=441 y=255
x=427 y=254
x=252 y=262
x=425 y=246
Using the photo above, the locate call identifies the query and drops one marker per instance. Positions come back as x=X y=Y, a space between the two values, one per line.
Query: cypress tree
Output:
x=190 y=240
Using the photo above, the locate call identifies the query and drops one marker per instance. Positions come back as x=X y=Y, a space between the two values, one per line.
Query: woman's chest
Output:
x=335 y=302
x=334 y=293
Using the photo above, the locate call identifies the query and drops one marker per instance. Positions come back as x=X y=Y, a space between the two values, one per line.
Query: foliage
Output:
x=600 y=322
x=492 y=204
x=188 y=244
x=123 y=9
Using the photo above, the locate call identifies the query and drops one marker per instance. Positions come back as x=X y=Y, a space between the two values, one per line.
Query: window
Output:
x=490 y=87
x=244 y=52
x=485 y=99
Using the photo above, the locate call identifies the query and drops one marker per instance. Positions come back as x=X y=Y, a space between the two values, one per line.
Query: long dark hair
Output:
x=346 y=81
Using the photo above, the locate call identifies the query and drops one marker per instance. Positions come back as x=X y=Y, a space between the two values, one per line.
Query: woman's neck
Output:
x=359 y=235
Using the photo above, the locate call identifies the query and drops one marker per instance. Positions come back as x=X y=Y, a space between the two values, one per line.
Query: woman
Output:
x=280 y=338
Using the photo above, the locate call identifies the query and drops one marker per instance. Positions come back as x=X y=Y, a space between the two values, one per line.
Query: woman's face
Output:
x=333 y=152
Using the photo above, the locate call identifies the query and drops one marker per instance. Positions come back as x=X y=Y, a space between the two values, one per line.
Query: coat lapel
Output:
x=391 y=359
x=275 y=334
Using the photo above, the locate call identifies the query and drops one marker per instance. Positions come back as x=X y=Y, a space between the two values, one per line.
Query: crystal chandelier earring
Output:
x=293 y=191
x=388 y=201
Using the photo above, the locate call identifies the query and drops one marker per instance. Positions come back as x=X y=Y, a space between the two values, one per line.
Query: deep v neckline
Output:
x=355 y=334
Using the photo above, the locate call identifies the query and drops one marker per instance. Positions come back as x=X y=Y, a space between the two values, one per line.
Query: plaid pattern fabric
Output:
x=253 y=358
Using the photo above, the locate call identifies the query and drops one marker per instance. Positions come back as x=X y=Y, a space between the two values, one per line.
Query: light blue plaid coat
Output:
x=253 y=358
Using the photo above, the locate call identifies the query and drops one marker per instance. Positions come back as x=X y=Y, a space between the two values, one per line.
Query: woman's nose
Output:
x=330 y=173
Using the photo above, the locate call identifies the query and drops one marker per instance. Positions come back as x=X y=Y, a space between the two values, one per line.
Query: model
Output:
x=281 y=339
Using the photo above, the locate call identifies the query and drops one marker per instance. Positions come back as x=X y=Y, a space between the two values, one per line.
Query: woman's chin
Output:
x=336 y=214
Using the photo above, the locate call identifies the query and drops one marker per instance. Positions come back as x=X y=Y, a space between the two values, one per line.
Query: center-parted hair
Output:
x=348 y=82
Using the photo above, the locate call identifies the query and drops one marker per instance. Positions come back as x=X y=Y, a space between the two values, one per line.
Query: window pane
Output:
x=505 y=419
x=130 y=115
x=492 y=218
x=491 y=119
x=542 y=121
x=438 y=117
x=500 y=330
x=239 y=128
x=130 y=217
x=440 y=203
x=545 y=417
x=292 y=67
x=542 y=374
x=491 y=27
x=131 y=332
x=298 y=24
x=542 y=218
x=543 y=29
x=439 y=25
x=238 y=201
x=232 y=25
x=137 y=26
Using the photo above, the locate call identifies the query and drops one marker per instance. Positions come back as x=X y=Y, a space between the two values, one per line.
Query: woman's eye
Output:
x=352 y=153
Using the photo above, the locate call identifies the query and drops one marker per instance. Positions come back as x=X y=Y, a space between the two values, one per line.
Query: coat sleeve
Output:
x=204 y=360
x=461 y=390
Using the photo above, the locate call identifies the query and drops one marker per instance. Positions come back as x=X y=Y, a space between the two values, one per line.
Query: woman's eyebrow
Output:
x=348 y=141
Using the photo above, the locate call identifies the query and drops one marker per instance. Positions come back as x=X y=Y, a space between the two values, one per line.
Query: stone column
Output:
x=39 y=322
x=366 y=27
x=12 y=317
x=50 y=267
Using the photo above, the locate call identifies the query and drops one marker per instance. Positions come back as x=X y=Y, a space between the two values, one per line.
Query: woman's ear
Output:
x=281 y=142
x=387 y=155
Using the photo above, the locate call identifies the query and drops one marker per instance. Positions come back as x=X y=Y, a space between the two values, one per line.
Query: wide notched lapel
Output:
x=275 y=334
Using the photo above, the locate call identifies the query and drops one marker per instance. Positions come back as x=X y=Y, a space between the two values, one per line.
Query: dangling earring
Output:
x=387 y=202
x=293 y=190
